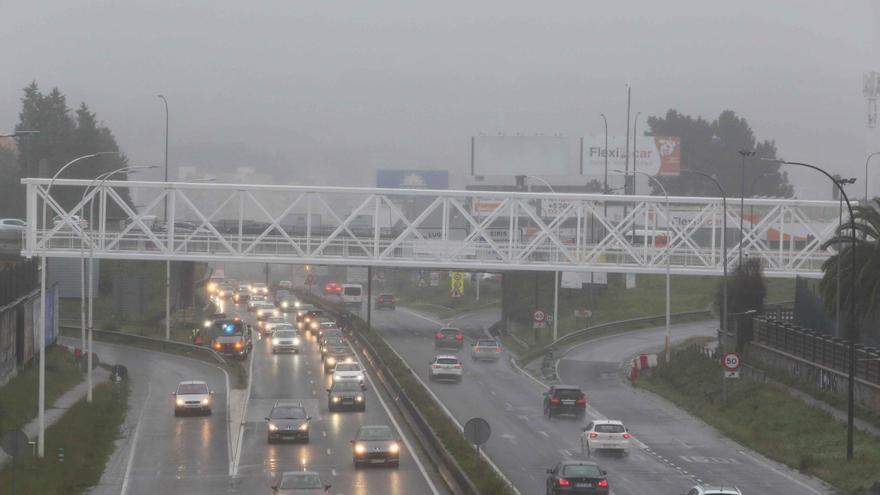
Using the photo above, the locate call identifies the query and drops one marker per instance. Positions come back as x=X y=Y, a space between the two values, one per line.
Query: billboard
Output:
x=412 y=179
x=520 y=155
x=654 y=155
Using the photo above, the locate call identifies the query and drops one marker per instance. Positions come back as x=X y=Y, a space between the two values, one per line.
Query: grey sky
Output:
x=314 y=91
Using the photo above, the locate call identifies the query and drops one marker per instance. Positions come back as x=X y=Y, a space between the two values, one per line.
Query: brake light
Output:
x=476 y=349
x=497 y=349
x=582 y=400
x=459 y=337
x=626 y=435
x=564 y=482
x=594 y=435
x=439 y=336
x=456 y=366
x=435 y=366
x=602 y=484
x=554 y=400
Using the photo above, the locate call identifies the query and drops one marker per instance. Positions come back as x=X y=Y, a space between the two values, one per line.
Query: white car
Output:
x=192 y=396
x=445 y=367
x=486 y=350
x=348 y=372
x=285 y=340
x=270 y=328
x=605 y=434
x=12 y=224
x=259 y=288
x=714 y=490
x=264 y=309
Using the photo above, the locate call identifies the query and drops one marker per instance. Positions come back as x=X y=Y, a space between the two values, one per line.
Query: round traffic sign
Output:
x=731 y=361
x=477 y=431
x=538 y=315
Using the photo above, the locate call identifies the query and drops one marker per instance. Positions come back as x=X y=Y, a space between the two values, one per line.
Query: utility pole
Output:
x=168 y=231
x=742 y=194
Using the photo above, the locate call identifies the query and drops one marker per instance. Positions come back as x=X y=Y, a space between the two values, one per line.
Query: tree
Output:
x=11 y=198
x=745 y=290
x=867 y=274
x=713 y=148
x=62 y=138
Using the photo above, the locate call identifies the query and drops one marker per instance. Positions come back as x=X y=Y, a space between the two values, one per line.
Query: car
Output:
x=342 y=395
x=445 y=367
x=287 y=304
x=352 y=293
x=385 y=301
x=305 y=320
x=192 y=397
x=577 y=477
x=288 y=422
x=265 y=309
x=565 y=399
x=329 y=331
x=486 y=350
x=285 y=341
x=242 y=293
x=259 y=288
x=285 y=284
x=302 y=309
x=338 y=354
x=268 y=323
x=231 y=338
x=12 y=224
x=225 y=290
x=375 y=444
x=713 y=490
x=348 y=372
x=300 y=483
x=332 y=288
x=449 y=338
x=605 y=434
x=329 y=342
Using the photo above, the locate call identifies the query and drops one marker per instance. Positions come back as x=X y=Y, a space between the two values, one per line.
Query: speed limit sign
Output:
x=731 y=361
x=539 y=318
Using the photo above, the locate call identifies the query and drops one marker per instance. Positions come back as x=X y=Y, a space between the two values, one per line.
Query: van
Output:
x=352 y=293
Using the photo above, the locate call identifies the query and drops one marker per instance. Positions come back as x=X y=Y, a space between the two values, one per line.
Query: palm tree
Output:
x=867 y=275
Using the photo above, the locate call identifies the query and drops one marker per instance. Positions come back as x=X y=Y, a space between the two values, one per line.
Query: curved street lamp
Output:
x=866 y=171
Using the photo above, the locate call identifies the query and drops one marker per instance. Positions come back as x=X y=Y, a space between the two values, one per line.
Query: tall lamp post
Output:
x=635 y=148
x=41 y=392
x=605 y=180
x=742 y=194
x=723 y=248
x=668 y=257
x=168 y=231
x=852 y=303
x=876 y=153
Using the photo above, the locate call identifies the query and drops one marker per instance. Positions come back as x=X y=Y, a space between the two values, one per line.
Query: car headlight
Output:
x=207 y=323
x=179 y=402
x=331 y=360
x=323 y=349
x=349 y=360
x=314 y=325
x=296 y=304
x=274 y=341
x=394 y=448
x=359 y=448
x=275 y=312
x=259 y=312
x=304 y=427
x=272 y=427
x=205 y=402
x=296 y=341
x=359 y=398
x=284 y=304
x=335 y=399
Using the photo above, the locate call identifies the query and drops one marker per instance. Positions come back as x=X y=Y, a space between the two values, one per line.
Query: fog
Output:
x=328 y=92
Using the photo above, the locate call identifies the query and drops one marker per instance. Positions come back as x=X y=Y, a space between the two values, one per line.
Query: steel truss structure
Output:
x=465 y=230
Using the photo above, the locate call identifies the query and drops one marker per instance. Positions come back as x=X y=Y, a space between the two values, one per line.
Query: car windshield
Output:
x=487 y=343
x=610 y=429
x=288 y=412
x=228 y=327
x=375 y=433
x=339 y=350
x=346 y=387
x=581 y=471
x=192 y=388
x=285 y=334
x=568 y=393
x=275 y=319
x=447 y=361
x=450 y=331
x=300 y=481
x=352 y=291
x=348 y=367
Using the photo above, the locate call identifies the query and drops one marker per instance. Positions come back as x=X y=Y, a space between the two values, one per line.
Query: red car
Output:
x=332 y=288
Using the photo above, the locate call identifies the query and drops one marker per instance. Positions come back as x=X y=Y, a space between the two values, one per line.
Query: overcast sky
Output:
x=327 y=92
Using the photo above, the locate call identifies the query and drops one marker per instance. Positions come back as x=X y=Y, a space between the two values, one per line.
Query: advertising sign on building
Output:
x=654 y=155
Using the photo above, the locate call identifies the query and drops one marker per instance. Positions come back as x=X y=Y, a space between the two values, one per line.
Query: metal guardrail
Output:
x=162 y=343
x=419 y=422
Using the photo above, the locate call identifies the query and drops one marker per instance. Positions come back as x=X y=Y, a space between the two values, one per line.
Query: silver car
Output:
x=286 y=340
x=375 y=444
x=486 y=350
x=300 y=482
x=192 y=396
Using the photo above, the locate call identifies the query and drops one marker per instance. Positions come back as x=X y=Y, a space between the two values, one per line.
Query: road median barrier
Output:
x=457 y=461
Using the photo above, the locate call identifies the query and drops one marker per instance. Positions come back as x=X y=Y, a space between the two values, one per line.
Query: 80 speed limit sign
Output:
x=731 y=361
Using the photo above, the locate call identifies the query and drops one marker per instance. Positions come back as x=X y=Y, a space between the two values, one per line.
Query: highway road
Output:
x=158 y=452
x=299 y=377
x=677 y=450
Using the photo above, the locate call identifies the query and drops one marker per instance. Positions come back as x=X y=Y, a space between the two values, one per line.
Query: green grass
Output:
x=18 y=398
x=477 y=470
x=770 y=421
x=87 y=433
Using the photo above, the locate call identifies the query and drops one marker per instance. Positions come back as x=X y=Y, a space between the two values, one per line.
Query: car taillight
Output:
x=554 y=400
x=497 y=349
x=456 y=366
x=439 y=336
x=602 y=484
x=626 y=435
x=582 y=400
x=594 y=435
x=564 y=482
x=476 y=349
x=435 y=366
x=459 y=337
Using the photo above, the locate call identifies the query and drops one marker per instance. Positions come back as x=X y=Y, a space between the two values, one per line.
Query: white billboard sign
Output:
x=576 y=280
x=654 y=155
x=520 y=155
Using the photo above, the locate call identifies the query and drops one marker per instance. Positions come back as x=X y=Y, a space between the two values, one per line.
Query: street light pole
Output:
x=167 y=232
x=853 y=332
x=605 y=180
x=635 y=149
x=723 y=249
x=866 y=172
x=742 y=194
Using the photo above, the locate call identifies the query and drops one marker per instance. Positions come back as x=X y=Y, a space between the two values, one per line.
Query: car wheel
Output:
x=589 y=450
x=363 y=407
x=306 y=439
x=356 y=464
x=274 y=351
x=395 y=464
x=330 y=407
x=176 y=413
x=269 y=440
x=208 y=412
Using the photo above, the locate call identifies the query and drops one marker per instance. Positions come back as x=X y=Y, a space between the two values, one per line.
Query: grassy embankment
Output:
x=765 y=418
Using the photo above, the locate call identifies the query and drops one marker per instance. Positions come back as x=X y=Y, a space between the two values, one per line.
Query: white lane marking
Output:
x=328 y=451
x=324 y=434
x=333 y=472
x=544 y=433
x=780 y=473
x=134 y=440
x=565 y=453
x=403 y=437
x=509 y=437
x=229 y=447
